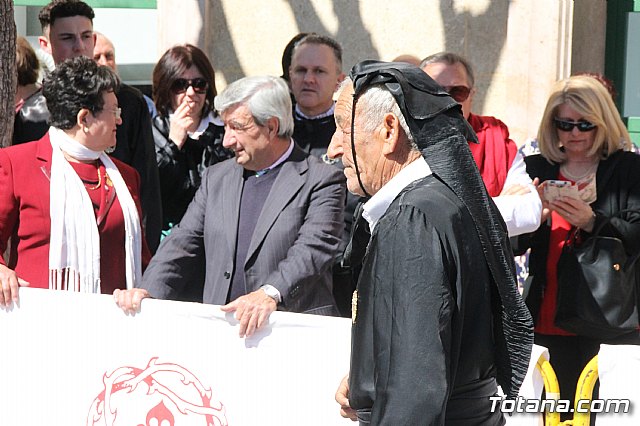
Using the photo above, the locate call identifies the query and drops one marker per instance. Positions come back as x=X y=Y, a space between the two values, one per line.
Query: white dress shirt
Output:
x=521 y=213
x=378 y=204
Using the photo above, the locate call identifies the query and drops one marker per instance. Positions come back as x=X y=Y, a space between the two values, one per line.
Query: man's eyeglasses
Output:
x=181 y=85
x=458 y=93
x=567 y=126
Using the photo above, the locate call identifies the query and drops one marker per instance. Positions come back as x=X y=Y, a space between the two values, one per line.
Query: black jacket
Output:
x=135 y=147
x=181 y=169
x=30 y=123
x=423 y=342
x=313 y=135
x=618 y=188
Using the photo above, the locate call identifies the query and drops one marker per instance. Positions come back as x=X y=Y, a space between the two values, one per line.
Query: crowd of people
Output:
x=379 y=196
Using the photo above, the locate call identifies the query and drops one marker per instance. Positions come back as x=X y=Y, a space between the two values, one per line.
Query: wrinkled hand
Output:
x=181 y=121
x=130 y=300
x=546 y=211
x=515 y=189
x=576 y=212
x=342 y=398
x=9 y=284
x=252 y=310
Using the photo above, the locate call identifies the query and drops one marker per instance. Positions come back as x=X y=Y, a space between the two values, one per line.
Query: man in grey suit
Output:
x=264 y=227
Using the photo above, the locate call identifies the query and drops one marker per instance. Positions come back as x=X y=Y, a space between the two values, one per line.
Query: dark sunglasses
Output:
x=181 y=85
x=458 y=93
x=567 y=126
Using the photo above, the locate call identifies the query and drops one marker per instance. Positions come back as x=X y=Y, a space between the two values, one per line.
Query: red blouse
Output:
x=110 y=222
x=559 y=230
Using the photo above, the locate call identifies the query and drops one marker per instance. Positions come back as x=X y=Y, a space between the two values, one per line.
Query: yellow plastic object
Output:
x=584 y=390
x=551 y=388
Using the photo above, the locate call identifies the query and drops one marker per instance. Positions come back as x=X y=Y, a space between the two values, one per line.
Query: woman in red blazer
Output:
x=71 y=213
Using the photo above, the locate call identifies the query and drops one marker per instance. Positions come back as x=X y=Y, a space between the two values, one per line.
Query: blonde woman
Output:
x=583 y=140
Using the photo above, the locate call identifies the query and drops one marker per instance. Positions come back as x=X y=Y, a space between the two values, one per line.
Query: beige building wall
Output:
x=589 y=26
x=518 y=47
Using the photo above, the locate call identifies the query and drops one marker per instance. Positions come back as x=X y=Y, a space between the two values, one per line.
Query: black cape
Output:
x=422 y=343
x=441 y=133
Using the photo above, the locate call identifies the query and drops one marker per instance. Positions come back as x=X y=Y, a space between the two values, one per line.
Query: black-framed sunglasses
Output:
x=458 y=93
x=180 y=85
x=567 y=126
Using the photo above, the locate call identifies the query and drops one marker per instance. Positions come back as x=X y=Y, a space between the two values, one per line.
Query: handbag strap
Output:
x=573 y=233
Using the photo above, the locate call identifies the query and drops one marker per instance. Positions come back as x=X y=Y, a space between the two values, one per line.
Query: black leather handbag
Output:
x=597 y=286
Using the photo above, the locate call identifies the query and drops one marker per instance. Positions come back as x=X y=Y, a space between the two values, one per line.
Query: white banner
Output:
x=76 y=359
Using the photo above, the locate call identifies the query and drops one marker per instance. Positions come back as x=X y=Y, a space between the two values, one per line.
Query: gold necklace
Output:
x=91 y=188
x=565 y=172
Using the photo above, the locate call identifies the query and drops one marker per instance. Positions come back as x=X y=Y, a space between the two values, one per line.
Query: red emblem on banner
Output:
x=162 y=394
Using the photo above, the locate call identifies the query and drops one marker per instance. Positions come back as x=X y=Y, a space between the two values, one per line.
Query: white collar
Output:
x=204 y=123
x=279 y=161
x=71 y=146
x=377 y=205
x=327 y=113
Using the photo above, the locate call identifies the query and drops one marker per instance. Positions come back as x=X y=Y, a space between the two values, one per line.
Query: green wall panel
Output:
x=126 y=4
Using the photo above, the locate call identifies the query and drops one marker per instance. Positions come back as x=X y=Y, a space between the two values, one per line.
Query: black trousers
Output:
x=568 y=356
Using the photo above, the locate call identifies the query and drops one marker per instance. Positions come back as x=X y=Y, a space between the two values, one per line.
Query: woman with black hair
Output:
x=187 y=133
x=72 y=213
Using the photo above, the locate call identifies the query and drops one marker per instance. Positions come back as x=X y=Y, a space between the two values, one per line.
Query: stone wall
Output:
x=518 y=47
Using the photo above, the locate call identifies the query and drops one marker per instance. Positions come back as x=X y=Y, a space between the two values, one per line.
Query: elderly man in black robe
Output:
x=438 y=322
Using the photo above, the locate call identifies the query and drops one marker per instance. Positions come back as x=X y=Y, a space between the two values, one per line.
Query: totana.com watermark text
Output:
x=522 y=405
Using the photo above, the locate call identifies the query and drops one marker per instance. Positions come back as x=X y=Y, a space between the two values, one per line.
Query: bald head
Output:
x=409 y=59
x=104 y=53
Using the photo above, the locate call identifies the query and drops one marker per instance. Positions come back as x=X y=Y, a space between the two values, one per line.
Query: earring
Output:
x=85 y=129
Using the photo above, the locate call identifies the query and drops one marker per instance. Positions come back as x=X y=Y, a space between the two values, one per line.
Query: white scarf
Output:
x=74 y=248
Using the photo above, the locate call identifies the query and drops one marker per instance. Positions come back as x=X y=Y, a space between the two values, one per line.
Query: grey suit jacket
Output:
x=293 y=246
